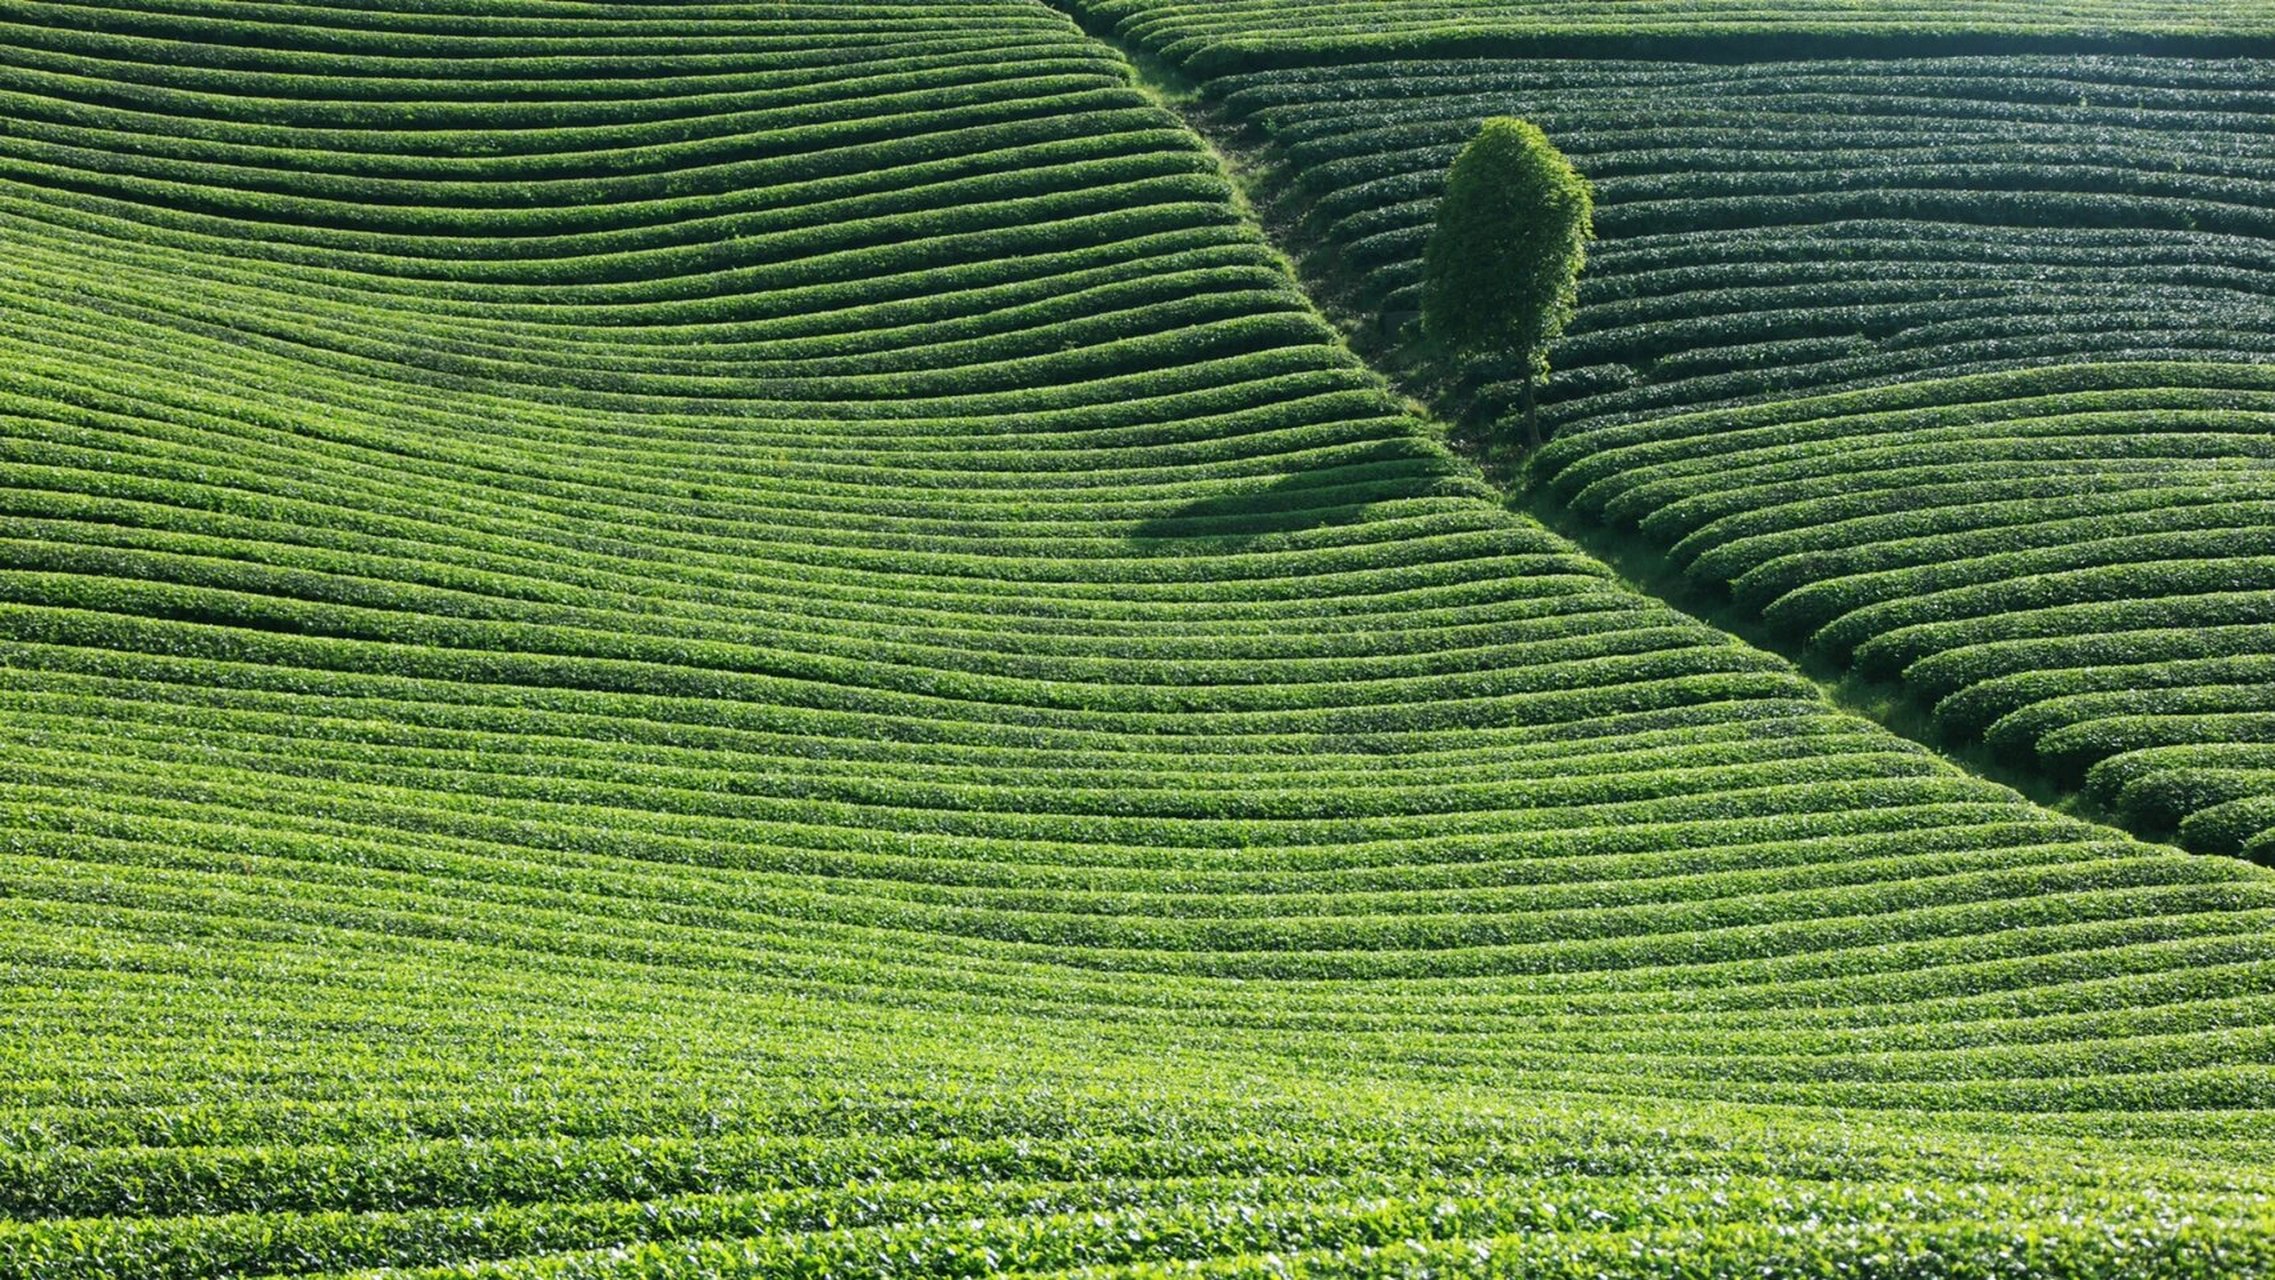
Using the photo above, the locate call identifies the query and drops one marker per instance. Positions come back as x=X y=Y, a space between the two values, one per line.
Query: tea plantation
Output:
x=1952 y=368
x=1218 y=37
x=671 y=640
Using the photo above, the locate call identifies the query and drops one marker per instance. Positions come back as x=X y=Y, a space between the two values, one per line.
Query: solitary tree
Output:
x=1502 y=270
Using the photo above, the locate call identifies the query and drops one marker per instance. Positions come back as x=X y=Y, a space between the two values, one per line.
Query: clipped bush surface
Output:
x=1220 y=37
x=684 y=640
x=1952 y=368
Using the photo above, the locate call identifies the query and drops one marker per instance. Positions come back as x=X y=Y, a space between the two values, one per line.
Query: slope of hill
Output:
x=653 y=640
x=1952 y=366
x=1218 y=37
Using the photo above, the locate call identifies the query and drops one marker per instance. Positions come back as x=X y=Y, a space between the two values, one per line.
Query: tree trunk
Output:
x=1532 y=415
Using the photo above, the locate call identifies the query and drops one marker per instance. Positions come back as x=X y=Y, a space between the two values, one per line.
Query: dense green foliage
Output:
x=683 y=640
x=1219 y=37
x=1500 y=275
x=1949 y=367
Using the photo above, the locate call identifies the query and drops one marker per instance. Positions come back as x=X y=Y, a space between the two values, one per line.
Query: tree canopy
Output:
x=1501 y=274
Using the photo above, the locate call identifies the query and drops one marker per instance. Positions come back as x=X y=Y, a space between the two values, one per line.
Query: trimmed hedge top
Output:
x=765 y=640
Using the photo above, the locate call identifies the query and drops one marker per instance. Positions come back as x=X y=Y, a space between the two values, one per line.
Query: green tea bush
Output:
x=692 y=639
x=1226 y=37
x=1857 y=357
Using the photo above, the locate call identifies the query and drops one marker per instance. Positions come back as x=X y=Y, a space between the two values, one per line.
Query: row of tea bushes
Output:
x=708 y=640
x=1949 y=367
x=1207 y=38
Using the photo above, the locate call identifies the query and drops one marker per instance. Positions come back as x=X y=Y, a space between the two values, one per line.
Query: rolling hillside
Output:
x=1952 y=368
x=688 y=640
x=1208 y=38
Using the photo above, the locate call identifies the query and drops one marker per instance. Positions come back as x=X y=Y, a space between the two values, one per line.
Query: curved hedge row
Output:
x=676 y=639
x=1224 y=37
x=1952 y=368
x=1780 y=227
x=2058 y=560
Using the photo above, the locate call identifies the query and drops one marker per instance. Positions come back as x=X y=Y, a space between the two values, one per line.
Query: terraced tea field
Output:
x=1953 y=368
x=709 y=640
x=1208 y=38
